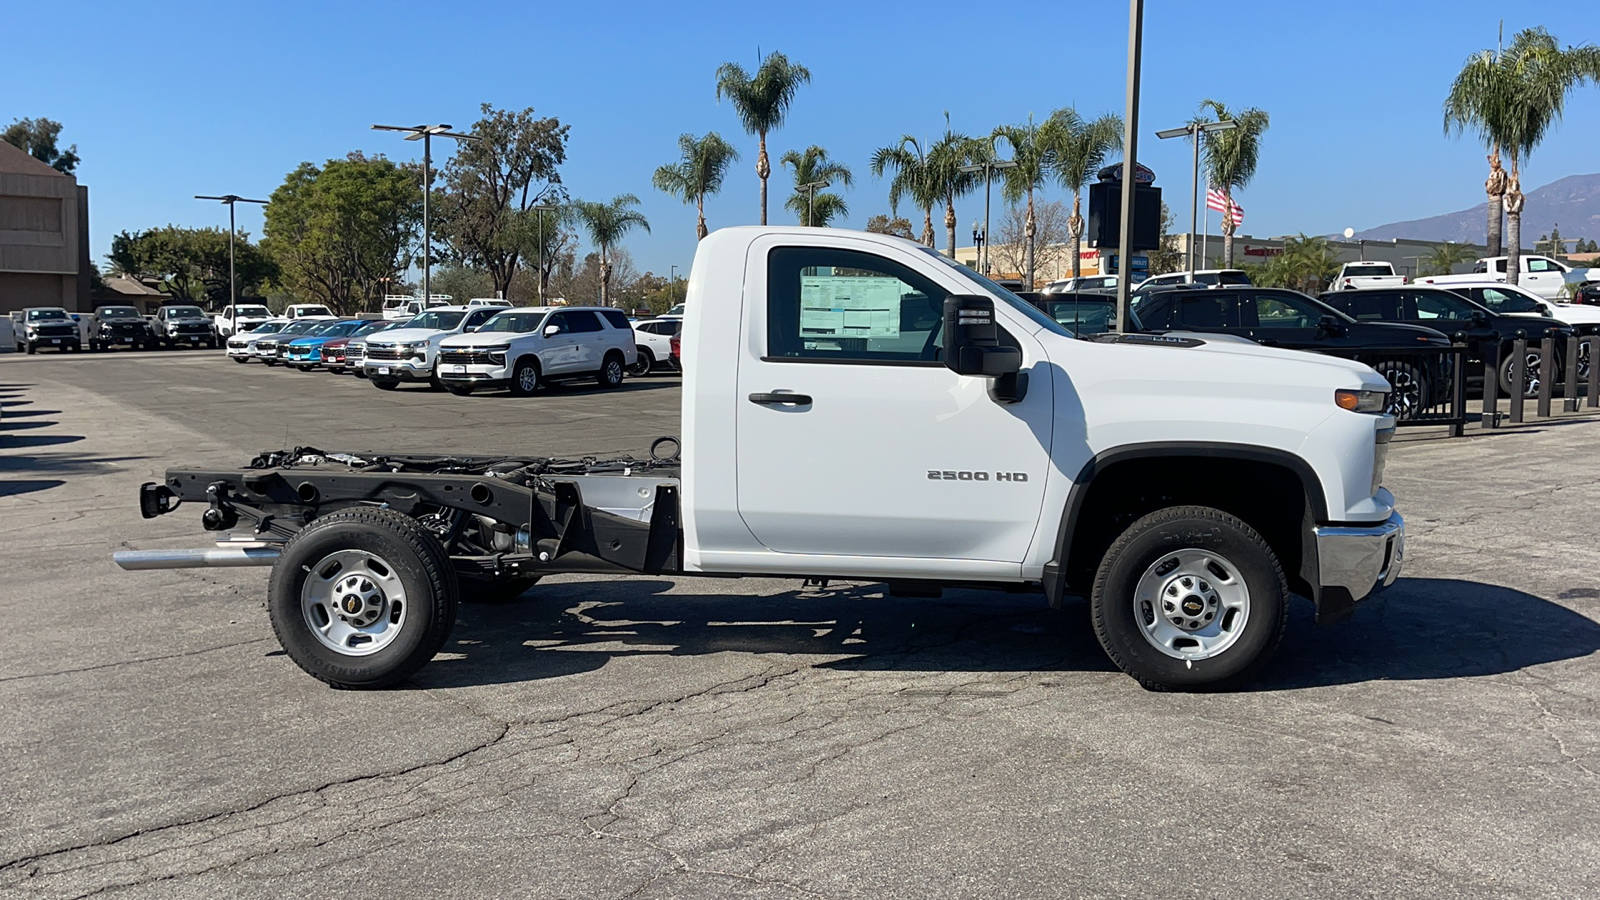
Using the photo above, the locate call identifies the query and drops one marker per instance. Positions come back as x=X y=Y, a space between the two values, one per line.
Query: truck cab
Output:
x=240 y=318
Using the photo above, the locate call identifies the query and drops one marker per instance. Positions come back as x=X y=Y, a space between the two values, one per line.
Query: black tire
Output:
x=1163 y=537
x=406 y=554
x=1530 y=387
x=305 y=368
x=460 y=390
x=643 y=363
x=336 y=370
x=96 y=347
x=384 y=384
x=359 y=373
x=240 y=359
x=1409 y=391
x=611 y=371
x=525 y=378
x=503 y=591
x=269 y=363
x=31 y=349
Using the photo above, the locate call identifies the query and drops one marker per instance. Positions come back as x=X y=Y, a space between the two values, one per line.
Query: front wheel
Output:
x=384 y=384
x=1408 y=390
x=31 y=349
x=362 y=598
x=1530 y=385
x=336 y=370
x=643 y=364
x=303 y=368
x=1189 y=597
x=240 y=360
x=525 y=378
x=460 y=390
x=611 y=369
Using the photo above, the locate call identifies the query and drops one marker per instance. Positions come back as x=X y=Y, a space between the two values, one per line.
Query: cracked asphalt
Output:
x=648 y=737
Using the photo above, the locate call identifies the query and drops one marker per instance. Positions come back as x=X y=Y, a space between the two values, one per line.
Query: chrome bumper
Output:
x=1357 y=561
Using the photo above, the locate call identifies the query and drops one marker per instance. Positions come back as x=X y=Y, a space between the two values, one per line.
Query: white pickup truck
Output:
x=239 y=319
x=1539 y=274
x=857 y=406
x=1366 y=274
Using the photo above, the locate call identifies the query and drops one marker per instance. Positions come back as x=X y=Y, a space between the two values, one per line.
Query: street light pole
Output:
x=1130 y=144
x=1195 y=130
x=987 y=167
x=230 y=200
x=425 y=134
x=811 y=188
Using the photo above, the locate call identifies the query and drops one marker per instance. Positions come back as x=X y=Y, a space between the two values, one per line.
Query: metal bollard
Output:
x=1569 y=387
x=1458 y=388
x=1519 y=376
x=1491 y=385
x=1547 y=375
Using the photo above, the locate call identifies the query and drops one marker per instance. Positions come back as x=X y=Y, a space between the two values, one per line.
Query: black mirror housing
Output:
x=972 y=339
x=1330 y=325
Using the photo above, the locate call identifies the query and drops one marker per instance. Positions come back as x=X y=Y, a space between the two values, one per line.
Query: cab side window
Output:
x=1432 y=306
x=848 y=306
x=1537 y=264
x=1365 y=307
x=616 y=318
x=1208 y=310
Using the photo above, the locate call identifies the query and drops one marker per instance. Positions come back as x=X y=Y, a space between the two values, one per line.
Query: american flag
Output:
x=1217 y=201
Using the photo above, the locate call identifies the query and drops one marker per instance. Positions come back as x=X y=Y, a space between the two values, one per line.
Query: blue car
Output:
x=305 y=353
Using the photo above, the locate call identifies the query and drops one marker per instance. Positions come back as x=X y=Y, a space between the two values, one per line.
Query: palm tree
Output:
x=1031 y=154
x=1512 y=99
x=913 y=178
x=606 y=223
x=1229 y=158
x=945 y=159
x=762 y=101
x=811 y=167
x=1447 y=256
x=699 y=171
x=1076 y=149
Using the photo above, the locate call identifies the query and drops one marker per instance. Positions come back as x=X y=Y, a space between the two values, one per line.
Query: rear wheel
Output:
x=1189 y=597
x=642 y=366
x=611 y=369
x=362 y=598
x=525 y=378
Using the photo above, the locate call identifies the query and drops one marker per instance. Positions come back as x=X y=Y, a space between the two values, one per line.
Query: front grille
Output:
x=124 y=327
x=191 y=328
x=297 y=352
x=385 y=352
x=57 y=330
x=354 y=352
x=267 y=348
x=465 y=356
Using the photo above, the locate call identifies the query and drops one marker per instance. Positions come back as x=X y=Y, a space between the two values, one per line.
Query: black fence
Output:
x=1428 y=385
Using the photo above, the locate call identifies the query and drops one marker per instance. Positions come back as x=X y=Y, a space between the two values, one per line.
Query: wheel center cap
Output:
x=1189 y=602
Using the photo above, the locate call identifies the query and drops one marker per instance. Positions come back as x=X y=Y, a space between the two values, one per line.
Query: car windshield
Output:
x=436 y=320
x=252 y=311
x=515 y=322
x=340 y=329
x=300 y=326
x=1365 y=271
x=1012 y=300
x=372 y=325
x=184 y=312
x=267 y=328
x=1083 y=316
x=1509 y=300
x=47 y=315
x=117 y=312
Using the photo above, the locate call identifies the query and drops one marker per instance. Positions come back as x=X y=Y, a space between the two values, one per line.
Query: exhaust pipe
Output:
x=219 y=558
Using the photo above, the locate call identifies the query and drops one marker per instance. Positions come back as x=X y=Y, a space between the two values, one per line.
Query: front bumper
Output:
x=244 y=350
x=1354 y=562
x=475 y=373
x=403 y=369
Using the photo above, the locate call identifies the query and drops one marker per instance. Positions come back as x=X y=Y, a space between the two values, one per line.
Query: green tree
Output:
x=897 y=226
x=1030 y=150
x=39 y=138
x=698 y=173
x=191 y=264
x=1076 y=149
x=1446 y=256
x=1229 y=159
x=1556 y=247
x=1167 y=257
x=945 y=159
x=606 y=224
x=762 y=102
x=491 y=182
x=543 y=237
x=913 y=179
x=341 y=232
x=1512 y=100
x=810 y=167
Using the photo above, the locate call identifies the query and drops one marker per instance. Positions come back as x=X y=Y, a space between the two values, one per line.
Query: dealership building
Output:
x=44 y=235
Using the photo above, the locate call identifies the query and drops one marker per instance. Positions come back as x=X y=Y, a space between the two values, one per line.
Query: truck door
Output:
x=1543 y=276
x=883 y=452
x=557 y=351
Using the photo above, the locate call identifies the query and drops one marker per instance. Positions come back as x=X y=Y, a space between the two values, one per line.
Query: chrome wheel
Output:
x=528 y=379
x=642 y=364
x=353 y=602
x=1405 y=394
x=1191 y=604
x=611 y=372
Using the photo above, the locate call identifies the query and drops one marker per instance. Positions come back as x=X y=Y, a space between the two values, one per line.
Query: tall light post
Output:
x=811 y=188
x=539 y=209
x=230 y=200
x=1195 y=130
x=980 y=240
x=1130 y=149
x=425 y=133
x=987 y=167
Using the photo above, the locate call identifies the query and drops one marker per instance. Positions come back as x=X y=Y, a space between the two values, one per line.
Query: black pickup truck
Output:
x=119 y=326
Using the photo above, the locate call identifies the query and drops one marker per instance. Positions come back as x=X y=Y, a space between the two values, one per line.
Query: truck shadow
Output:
x=1420 y=629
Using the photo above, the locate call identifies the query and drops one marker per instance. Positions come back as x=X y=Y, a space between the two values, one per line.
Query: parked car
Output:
x=400 y=307
x=1084 y=314
x=307 y=311
x=1488 y=335
x=652 y=339
x=305 y=353
x=1208 y=277
x=1541 y=275
x=412 y=353
x=181 y=325
x=241 y=348
x=677 y=351
x=45 y=326
x=522 y=348
x=119 y=326
x=1514 y=300
x=1278 y=317
x=336 y=351
x=1087 y=284
x=269 y=348
x=1366 y=274
x=239 y=319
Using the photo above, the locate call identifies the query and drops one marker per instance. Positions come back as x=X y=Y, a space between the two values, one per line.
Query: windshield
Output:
x=300 y=326
x=1366 y=271
x=517 y=322
x=50 y=315
x=437 y=321
x=267 y=328
x=185 y=312
x=371 y=325
x=117 y=312
x=1083 y=317
x=339 y=329
x=1012 y=300
x=252 y=311
x=1510 y=300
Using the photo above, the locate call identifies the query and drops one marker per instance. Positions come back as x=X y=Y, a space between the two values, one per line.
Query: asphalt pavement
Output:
x=654 y=737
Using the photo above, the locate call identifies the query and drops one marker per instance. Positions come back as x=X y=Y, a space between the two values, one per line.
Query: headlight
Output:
x=1361 y=401
x=498 y=357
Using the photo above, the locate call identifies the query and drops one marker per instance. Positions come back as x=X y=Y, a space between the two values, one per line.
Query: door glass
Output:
x=1535 y=264
x=1282 y=311
x=1503 y=301
x=848 y=306
x=1369 y=307
x=559 y=320
x=1208 y=310
x=1441 y=306
x=583 y=322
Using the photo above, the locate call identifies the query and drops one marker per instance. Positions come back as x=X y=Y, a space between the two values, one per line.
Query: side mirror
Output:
x=1330 y=326
x=972 y=347
x=469 y=329
x=552 y=330
x=1480 y=318
x=1544 y=310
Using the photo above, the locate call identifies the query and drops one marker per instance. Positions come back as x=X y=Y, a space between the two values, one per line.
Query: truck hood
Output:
x=483 y=339
x=408 y=336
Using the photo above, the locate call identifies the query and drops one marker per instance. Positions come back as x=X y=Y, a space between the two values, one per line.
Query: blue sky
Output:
x=174 y=99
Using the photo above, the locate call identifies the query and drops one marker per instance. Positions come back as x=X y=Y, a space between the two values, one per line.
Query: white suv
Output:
x=524 y=347
x=654 y=338
x=411 y=353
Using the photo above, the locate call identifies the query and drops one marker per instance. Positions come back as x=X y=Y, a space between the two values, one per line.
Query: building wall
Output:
x=43 y=241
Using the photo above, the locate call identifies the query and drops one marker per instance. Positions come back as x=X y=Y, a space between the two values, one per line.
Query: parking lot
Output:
x=656 y=737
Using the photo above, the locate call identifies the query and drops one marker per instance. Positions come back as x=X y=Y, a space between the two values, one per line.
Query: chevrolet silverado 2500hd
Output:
x=856 y=406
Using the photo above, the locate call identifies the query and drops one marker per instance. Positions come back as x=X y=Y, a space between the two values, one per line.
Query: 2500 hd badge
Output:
x=937 y=475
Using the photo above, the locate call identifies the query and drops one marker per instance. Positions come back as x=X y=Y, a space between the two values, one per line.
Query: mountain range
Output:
x=1573 y=202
